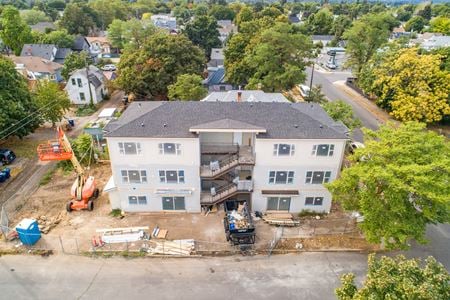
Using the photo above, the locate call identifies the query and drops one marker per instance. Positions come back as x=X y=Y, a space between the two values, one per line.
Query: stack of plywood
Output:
x=175 y=247
x=280 y=219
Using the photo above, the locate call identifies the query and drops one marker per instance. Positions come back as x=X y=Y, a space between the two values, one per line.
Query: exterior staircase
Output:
x=226 y=192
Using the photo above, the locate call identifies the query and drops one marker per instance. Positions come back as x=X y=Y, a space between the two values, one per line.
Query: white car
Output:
x=355 y=145
x=331 y=66
x=109 y=67
x=304 y=90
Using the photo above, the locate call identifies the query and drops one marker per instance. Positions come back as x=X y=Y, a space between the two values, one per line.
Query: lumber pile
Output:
x=280 y=219
x=46 y=224
x=175 y=247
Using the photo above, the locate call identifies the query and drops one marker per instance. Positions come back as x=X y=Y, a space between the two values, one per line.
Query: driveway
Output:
x=304 y=276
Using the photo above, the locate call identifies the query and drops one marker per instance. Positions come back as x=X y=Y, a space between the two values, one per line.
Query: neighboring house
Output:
x=81 y=44
x=43 y=27
x=35 y=68
x=436 y=42
x=79 y=90
x=226 y=28
x=46 y=51
x=216 y=80
x=99 y=45
x=245 y=96
x=217 y=57
x=398 y=32
x=182 y=155
x=165 y=22
x=324 y=39
x=294 y=18
x=110 y=75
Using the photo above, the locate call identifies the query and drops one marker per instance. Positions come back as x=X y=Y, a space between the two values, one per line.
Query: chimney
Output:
x=239 y=96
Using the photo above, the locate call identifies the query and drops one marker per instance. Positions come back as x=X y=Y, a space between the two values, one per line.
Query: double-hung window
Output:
x=169 y=148
x=283 y=150
x=171 y=176
x=137 y=200
x=314 y=201
x=74 y=81
x=130 y=148
x=317 y=177
x=173 y=203
x=323 y=150
x=281 y=177
x=278 y=203
x=134 y=176
x=80 y=84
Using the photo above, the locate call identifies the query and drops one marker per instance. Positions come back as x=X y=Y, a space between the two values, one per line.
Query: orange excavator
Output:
x=84 y=189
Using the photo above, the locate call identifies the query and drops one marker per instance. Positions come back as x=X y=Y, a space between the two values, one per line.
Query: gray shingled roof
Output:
x=173 y=119
x=226 y=124
x=44 y=51
x=246 y=96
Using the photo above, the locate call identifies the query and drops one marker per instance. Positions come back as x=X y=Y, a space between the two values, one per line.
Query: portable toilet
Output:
x=28 y=231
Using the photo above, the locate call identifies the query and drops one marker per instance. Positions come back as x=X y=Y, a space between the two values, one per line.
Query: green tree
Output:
x=423 y=97
x=18 y=113
x=398 y=182
x=51 y=100
x=132 y=32
x=109 y=10
x=244 y=15
x=398 y=278
x=405 y=12
x=148 y=71
x=341 y=111
x=187 y=87
x=441 y=10
x=364 y=38
x=340 y=24
x=425 y=12
x=221 y=12
x=203 y=32
x=58 y=37
x=321 y=22
x=315 y=95
x=78 y=19
x=14 y=31
x=415 y=24
x=441 y=25
x=278 y=58
x=74 y=61
x=32 y=16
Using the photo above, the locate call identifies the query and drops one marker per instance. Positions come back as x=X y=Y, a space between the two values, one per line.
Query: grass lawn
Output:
x=22 y=148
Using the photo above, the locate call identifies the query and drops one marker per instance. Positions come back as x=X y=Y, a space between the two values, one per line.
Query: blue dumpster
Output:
x=28 y=231
x=2 y=177
x=71 y=122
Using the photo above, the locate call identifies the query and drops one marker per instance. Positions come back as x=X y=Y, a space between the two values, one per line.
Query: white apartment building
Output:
x=180 y=156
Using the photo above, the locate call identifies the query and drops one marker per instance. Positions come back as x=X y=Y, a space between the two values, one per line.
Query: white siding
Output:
x=301 y=162
x=152 y=161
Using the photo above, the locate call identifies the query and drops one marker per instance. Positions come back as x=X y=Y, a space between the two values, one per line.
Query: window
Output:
x=171 y=176
x=137 y=200
x=278 y=203
x=281 y=177
x=79 y=82
x=283 y=150
x=317 y=177
x=82 y=97
x=323 y=150
x=169 y=148
x=134 y=176
x=173 y=203
x=130 y=148
x=74 y=82
x=316 y=201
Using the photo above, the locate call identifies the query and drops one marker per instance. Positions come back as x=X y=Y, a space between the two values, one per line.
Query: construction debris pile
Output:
x=175 y=247
x=280 y=219
x=46 y=223
x=237 y=220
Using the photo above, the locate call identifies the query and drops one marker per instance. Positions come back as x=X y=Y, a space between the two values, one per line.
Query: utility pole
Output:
x=91 y=101
x=312 y=76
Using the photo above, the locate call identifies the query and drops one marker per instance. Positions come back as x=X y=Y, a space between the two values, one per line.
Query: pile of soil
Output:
x=327 y=242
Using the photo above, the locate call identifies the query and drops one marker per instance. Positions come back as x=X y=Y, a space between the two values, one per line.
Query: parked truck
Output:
x=238 y=223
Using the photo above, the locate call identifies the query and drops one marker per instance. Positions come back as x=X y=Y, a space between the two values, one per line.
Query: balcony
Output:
x=216 y=168
x=226 y=192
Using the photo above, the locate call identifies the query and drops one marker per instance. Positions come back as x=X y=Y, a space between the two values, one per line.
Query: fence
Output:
x=329 y=226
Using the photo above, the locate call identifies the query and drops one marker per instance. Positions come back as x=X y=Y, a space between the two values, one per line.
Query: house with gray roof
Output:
x=187 y=155
x=217 y=57
x=216 y=80
x=86 y=83
x=48 y=52
x=43 y=27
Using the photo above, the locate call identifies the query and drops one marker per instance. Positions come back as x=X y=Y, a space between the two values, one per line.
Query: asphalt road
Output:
x=304 y=276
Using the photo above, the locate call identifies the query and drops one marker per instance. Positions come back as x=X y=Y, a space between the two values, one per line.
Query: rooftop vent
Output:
x=164 y=125
x=295 y=125
x=142 y=124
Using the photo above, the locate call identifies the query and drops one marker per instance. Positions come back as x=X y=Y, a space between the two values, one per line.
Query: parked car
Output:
x=304 y=90
x=6 y=156
x=331 y=66
x=109 y=67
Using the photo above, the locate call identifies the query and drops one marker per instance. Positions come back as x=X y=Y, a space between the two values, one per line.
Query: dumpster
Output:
x=28 y=231
x=2 y=177
x=7 y=172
